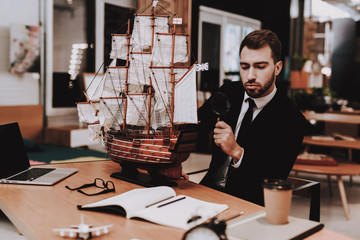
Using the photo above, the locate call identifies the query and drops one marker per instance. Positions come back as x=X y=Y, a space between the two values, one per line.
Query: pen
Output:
x=158 y=202
x=162 y=205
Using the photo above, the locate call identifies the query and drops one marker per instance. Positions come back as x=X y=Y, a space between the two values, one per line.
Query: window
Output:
x=220 y=35
x=68 y=23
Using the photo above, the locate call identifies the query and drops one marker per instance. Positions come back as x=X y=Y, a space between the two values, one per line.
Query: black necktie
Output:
x=241 y=138
x=246 y=121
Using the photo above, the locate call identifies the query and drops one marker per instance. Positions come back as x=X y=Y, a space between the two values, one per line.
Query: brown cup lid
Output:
x=277 y=184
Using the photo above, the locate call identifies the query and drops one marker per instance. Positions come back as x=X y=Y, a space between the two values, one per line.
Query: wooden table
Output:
x=349 y=145
x=333 y=117
x=342 y=169
x=346 y=124
x=333 y=143
x=36 y=210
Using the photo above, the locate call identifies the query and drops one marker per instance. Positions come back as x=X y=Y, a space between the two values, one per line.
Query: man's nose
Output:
x=251 y=74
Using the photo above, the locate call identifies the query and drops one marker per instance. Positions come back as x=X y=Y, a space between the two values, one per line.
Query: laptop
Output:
x=14 y=163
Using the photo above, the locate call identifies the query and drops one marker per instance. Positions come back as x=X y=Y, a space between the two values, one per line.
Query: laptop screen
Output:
x=14 y=158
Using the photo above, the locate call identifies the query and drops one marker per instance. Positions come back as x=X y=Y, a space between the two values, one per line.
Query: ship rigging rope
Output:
x=111 y=112
x=137 y=108
x=92 y=80
x=121 y=27
x=119 y=103
x=162 y=8
x=158 y=5
x=147 y=7
x=142 y=115
x=161 y=95
x=97 y=90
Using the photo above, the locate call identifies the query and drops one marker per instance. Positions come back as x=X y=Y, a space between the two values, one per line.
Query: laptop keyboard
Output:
x=31 y=174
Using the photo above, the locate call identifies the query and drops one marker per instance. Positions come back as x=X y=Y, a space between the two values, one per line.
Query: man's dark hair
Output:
x=259 y=39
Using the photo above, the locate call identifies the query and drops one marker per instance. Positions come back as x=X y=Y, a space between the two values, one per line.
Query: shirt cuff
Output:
x=237 y=165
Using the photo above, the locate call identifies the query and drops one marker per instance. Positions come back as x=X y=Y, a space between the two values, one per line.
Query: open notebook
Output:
x=14 y=163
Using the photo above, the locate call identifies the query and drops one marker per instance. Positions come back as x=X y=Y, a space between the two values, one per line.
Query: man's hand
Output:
x=225 y=139
x=184 y=175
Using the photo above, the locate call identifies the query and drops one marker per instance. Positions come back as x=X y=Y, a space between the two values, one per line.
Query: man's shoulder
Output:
x=288 y=107
x=284 y=101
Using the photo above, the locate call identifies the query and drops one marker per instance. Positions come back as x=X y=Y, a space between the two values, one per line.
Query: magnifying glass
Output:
x=220 y=103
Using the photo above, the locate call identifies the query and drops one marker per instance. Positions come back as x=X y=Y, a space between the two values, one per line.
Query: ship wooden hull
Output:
x=156 y=153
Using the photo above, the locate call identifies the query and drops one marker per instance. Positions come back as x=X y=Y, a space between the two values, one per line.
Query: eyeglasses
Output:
x=98 y=182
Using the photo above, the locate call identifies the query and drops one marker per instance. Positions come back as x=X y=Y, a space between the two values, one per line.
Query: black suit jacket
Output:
x=271 y=146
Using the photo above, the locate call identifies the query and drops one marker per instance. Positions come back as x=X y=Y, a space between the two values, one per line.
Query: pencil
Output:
x=158 y=202
x=162 y=205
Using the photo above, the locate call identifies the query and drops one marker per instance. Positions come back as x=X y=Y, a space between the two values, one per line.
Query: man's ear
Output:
x=278 y=67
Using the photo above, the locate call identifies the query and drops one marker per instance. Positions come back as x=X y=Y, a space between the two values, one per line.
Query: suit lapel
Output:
x=237 y=97
x=272 y=108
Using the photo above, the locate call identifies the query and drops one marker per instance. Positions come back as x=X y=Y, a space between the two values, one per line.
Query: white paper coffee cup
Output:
x=277 y=199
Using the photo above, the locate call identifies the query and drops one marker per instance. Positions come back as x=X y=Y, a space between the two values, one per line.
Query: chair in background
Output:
x=309 y=189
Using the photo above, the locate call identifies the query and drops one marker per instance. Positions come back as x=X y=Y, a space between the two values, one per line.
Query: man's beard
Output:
x=254 y=93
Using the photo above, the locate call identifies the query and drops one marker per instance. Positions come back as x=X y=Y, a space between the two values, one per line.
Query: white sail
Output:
x=88 y=112
x=160 y=79
x=162 y=51
x=137 y=110
x=160 y=116
x=94 y=131
x=161 y=82
x=185 y=109
x=119 y=48
x=111 y=113
x=141 y=60
x=142 y=34
x=161 y=24
x=94 y=88
x=138 y=74
x=114 y=82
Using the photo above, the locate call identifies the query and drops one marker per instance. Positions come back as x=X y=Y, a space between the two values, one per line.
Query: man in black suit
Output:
x=268 y=147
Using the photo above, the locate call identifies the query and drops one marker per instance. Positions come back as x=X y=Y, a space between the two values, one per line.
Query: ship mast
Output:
x=172 y=80
x=149 y=90
x=127 y=75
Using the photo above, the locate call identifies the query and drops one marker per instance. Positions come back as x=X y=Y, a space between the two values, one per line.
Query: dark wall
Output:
x=343 y=77
x=273 y=14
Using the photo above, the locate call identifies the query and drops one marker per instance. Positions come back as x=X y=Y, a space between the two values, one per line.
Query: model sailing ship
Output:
x=146 y=111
